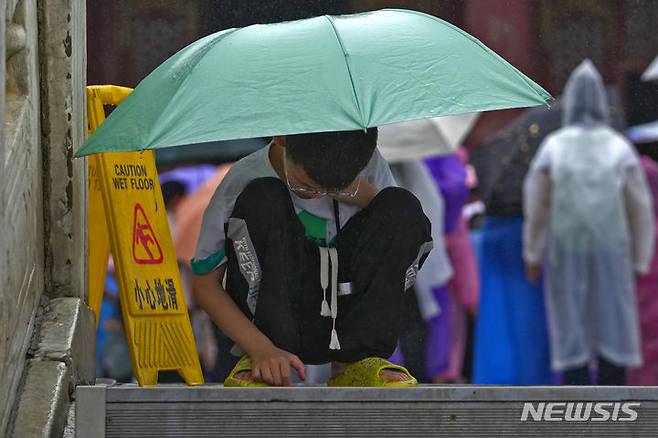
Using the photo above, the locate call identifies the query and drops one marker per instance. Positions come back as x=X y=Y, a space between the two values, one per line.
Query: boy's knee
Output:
x=265 y=188
x=403 y=212
x=264 y=197
x=400 y=203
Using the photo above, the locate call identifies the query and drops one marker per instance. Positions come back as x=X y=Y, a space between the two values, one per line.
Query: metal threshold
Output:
x=433 y=410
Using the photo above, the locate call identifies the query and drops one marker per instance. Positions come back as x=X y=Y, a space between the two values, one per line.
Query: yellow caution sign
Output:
x=98 y=240
x=153 y=302
x=127 y=214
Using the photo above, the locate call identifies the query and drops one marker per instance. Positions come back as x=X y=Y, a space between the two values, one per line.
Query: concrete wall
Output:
x=63 y=63
x=21 y=250
x=47 y=332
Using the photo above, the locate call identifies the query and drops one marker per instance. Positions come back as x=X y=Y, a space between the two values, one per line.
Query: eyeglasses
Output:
x=314 y=192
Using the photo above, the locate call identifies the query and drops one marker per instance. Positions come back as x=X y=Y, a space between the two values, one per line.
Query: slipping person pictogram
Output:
x=144 y=240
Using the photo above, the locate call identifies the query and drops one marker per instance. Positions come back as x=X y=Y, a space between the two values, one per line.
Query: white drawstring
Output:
x=325 y=310
x=324 y=280
x=334 y=344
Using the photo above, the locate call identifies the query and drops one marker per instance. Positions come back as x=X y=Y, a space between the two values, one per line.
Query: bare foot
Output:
x=389 y=375
x=245 y=376
x=393 y=376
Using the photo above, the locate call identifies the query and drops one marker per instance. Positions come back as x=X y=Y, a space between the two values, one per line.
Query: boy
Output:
x=294 y=226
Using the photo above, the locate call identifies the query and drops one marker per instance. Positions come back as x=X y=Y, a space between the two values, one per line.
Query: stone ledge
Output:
x=69 y=427
x=44 y=400
x=68 y=335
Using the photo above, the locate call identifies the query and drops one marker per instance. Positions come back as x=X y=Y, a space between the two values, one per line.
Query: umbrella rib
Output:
x=347 y=65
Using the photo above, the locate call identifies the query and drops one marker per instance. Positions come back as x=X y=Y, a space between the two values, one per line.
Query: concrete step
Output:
x=434 y=410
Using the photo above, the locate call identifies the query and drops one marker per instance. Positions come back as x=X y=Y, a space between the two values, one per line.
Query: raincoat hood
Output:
x=585 y=99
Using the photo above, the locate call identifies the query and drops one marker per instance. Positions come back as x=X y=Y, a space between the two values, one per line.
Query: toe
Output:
x=393 y=376
x=244 y=375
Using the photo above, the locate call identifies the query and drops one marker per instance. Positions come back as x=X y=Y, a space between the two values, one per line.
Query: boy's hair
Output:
x=332 y=159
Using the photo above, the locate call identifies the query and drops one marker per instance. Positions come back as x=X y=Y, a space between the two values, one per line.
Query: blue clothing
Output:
x=109 y=310
x=511 y=339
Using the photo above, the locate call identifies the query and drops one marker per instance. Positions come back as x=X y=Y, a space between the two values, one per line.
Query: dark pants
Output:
x=607 y=375
x=413 y=338
x=376 y=249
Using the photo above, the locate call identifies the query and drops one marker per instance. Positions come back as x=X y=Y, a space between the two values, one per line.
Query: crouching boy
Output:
x=318 y=246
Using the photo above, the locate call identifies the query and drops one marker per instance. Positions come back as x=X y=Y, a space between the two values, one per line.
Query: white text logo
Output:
x=580 y=411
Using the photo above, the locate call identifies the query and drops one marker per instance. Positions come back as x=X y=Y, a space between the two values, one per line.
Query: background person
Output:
x=589 y=218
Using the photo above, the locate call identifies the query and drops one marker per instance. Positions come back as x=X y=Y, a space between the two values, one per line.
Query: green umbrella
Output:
x=329 y=73
x=216 y=152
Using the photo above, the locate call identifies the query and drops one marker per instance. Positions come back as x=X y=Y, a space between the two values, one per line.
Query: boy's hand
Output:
x=269 y=364
x=272 y=366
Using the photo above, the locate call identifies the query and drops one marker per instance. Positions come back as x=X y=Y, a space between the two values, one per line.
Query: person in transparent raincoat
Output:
x=589 y=221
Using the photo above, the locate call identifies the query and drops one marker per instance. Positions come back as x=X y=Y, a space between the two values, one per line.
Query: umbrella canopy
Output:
x=502 y=162
x=320 y=74
x=215 y=152
x=417 y=139
x=645 y=133
x=651 y=73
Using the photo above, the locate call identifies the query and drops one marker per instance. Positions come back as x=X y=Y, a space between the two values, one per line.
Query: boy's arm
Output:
x=269 y=363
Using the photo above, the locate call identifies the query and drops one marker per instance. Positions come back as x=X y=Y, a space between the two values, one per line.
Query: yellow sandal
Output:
x=366 y=372
x=244 y=364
